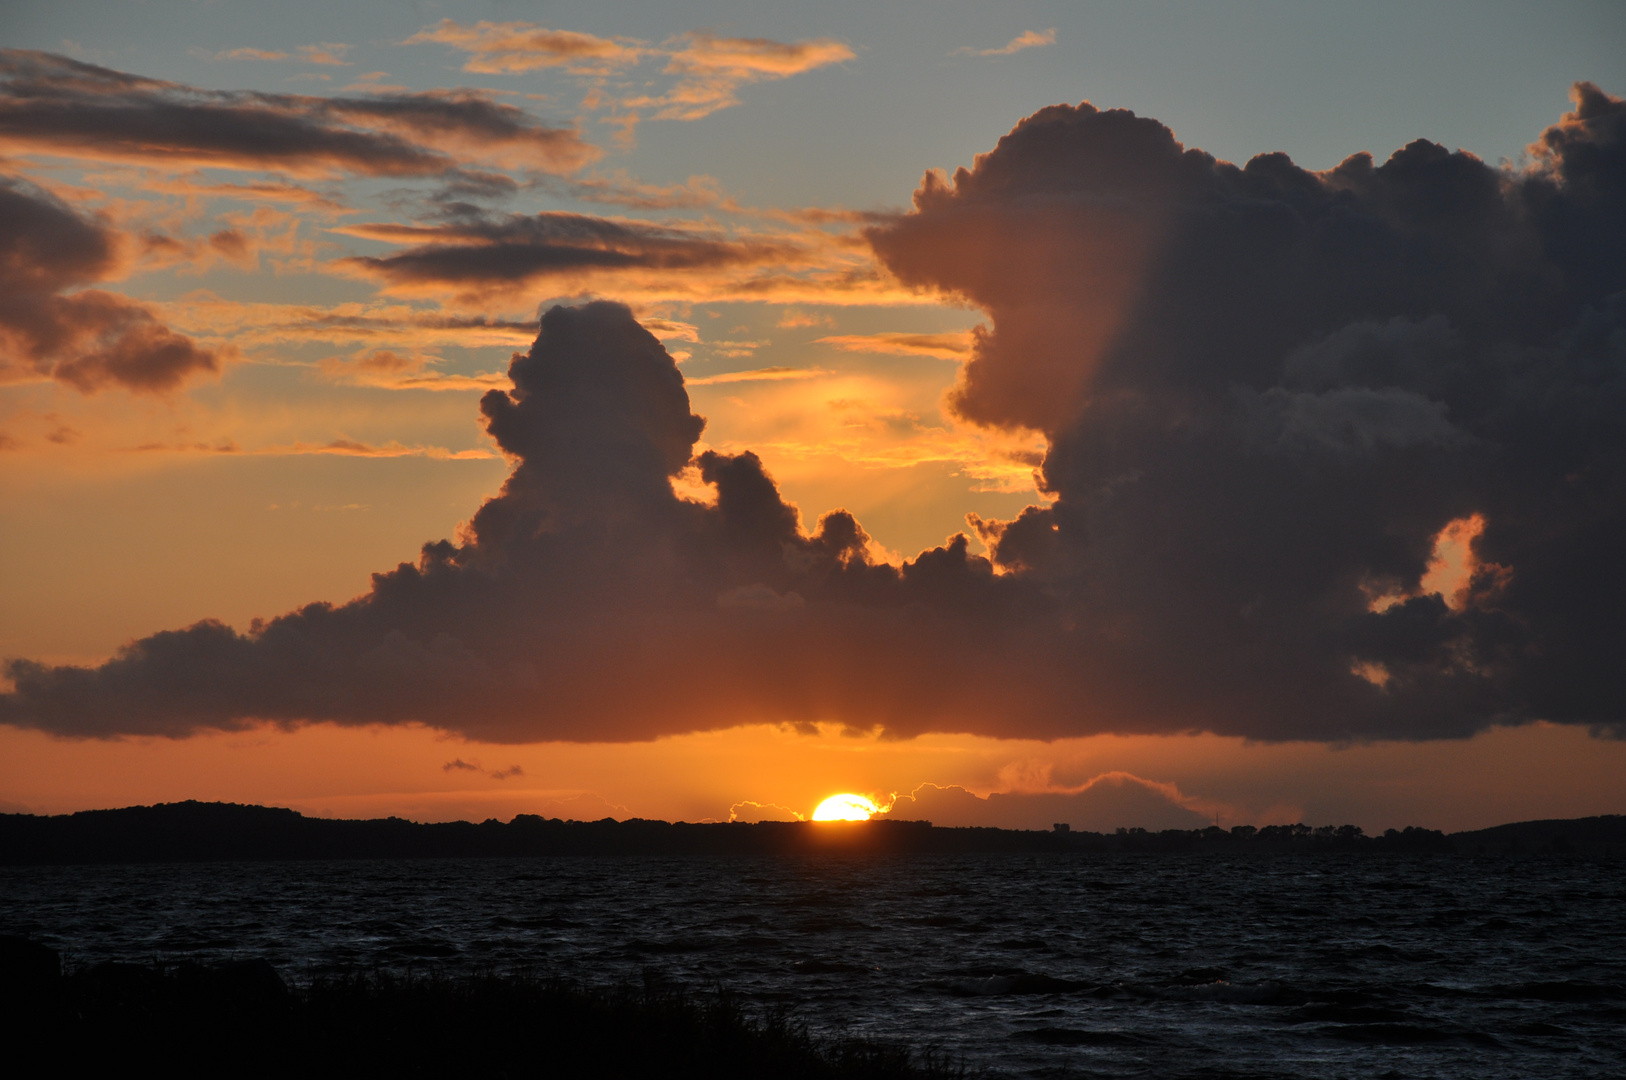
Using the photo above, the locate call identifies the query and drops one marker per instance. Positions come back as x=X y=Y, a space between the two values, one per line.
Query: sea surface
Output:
x=1123 y=966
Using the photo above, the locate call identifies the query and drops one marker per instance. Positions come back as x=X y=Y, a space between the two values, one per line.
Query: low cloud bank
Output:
x=1109 y=802
x=1267 y=393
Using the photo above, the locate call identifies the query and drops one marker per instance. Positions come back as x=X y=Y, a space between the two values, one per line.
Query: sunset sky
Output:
x=1121 y=413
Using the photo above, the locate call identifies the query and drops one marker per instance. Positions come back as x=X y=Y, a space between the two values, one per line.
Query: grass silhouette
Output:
x=241 y=1020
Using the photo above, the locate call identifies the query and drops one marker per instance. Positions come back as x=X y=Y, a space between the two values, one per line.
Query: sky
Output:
x=1121 y=413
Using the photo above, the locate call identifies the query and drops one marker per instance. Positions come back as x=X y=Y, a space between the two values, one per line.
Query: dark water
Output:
x=1181 y=966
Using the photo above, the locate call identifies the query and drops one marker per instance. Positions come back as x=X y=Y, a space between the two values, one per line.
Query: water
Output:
x=1183 y=966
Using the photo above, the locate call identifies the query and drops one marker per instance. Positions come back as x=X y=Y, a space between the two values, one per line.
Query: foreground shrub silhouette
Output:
x=241 y=1020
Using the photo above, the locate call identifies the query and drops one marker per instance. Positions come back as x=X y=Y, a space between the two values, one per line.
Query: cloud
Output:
x=1272 y=394
x=374 y=324
x=587 y=600
x=54 y=105
x=459 y=765
x=521 y=248
x=352 y=448
x=52 y=327
x=942 y=346
x=328 y=52
x=514 y=47
x=767 y=374
x=707 y=70
x=1107 y=802
x=477 y=259
x=792 y=319
x=711 y=70
x=672 y=329
x=497 y=256
x=251 y=53
x=752 y=811
x=1274 y=401
x=1027 y=39
x=619 y=189
x=392 y=370
x=585 y=806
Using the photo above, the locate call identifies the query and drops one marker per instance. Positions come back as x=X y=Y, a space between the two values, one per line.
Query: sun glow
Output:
x=845 y=807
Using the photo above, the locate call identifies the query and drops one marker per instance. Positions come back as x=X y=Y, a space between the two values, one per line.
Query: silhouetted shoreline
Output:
x=195 y=831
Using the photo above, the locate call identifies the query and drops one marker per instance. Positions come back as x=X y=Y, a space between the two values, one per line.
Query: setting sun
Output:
x=846 y=807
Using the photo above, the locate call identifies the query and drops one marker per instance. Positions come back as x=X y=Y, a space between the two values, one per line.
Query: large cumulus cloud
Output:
x=1267 y=392
x=588 y=601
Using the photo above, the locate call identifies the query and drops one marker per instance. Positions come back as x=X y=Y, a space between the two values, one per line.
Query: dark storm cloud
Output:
x=89 y=338
x=501 y=251
x=1267 y=392
x=51 y=104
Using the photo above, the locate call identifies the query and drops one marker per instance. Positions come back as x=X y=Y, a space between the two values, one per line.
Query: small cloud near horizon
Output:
x=751 y=811
x=1110 y=801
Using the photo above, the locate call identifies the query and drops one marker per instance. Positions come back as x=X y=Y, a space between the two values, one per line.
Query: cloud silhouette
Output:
x=587 y=600
x=1110 y=801
x=51 y=327
x=750 y=810
x=518 y=250
x=54 y=105
x=1268 y=393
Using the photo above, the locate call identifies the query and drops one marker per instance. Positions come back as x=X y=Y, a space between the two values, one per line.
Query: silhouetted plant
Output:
x=240 y=1019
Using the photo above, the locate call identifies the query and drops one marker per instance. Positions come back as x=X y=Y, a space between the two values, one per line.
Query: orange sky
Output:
x=1504 y=775
x=322 y=421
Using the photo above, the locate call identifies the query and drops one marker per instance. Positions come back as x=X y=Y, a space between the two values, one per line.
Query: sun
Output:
x=846 y=807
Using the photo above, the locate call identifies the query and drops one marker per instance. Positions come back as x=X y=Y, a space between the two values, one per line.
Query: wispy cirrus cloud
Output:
x=252 y=53
x=510 y=48
x=340 y=447
x=391 y=370
x=329 y=53
x=712 y=69
x=373 y=325
x=706 y=70
x=954 y=346
x=767 y=374
x=1027 y=39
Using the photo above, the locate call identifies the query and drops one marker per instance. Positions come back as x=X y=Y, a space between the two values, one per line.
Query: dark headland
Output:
x=196 y=831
